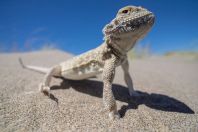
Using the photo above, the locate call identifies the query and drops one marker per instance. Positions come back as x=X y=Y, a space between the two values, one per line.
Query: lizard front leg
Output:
x=108 y=97
x=45 y=86
x=127 y=78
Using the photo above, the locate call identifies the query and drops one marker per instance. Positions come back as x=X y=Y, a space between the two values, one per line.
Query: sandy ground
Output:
x=168 y=101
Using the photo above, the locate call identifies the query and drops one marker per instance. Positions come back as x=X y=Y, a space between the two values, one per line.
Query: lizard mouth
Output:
x=117 y=26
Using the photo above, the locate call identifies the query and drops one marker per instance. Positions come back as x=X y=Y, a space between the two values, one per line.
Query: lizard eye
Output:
x=125 y=11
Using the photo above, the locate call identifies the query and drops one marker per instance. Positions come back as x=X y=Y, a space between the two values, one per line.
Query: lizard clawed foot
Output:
x=114 y=115
x=44 y=89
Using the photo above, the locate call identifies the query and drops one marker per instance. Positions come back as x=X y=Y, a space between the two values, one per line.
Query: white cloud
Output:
x=38 y=30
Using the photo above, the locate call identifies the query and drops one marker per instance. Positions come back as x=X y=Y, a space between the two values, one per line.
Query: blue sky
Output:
x=76 y=25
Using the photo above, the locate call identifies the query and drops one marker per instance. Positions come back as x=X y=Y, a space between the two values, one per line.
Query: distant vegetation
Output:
x=184 y=54
x=49 y=46
x=140 y=51
x=143 y=51
x=15 y=48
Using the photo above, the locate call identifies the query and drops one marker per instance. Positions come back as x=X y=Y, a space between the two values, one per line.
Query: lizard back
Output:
x=84 y=66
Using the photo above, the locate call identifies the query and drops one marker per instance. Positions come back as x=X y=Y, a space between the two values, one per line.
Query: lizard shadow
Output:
x=151 y=100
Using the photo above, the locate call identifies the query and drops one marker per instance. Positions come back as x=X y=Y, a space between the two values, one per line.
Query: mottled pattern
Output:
x=85 y=65
x=131 y=24
x=108 y=76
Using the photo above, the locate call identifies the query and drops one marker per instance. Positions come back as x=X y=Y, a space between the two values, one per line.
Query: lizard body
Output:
x=130 y=24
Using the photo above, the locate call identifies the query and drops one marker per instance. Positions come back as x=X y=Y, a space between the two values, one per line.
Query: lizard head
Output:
x=130 y=24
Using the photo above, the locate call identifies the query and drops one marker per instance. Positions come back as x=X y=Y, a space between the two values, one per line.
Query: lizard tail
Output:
x=33 y=68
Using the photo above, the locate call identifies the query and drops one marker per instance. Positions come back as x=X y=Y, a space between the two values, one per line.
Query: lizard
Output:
x=131 y=24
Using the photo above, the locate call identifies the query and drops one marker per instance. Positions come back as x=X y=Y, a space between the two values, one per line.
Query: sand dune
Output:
x=168 y=101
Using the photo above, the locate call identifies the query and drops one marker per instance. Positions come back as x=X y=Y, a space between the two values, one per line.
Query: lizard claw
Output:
x=44 y=89
x=114 y=115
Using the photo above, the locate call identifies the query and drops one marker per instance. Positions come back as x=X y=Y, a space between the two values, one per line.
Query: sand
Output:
x=168 y=101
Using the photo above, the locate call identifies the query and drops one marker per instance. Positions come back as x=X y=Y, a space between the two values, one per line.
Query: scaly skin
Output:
x=130 y=24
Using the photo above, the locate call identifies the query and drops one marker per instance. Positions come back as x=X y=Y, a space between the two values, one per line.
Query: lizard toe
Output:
x=114 y=115
x=44 y=89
